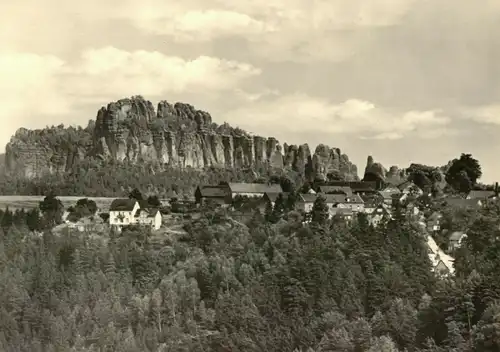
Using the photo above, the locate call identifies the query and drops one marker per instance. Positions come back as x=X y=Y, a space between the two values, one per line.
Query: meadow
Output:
x=30 y=202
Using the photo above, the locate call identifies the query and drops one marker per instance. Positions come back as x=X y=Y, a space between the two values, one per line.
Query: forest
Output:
x=271 y=284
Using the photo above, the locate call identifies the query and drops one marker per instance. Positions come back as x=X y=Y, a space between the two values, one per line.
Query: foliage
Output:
x=463 y=173
x=267 y=285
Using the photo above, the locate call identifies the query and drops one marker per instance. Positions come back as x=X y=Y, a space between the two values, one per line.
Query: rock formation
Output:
x=175 y=135
x=375 y=171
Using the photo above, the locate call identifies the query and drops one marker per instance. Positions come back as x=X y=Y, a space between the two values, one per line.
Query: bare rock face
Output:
x=327 y=162
x=374 y=171
x=175 y=135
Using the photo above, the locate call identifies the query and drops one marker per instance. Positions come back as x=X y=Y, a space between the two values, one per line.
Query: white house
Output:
x=149 y=217
x=122 y=212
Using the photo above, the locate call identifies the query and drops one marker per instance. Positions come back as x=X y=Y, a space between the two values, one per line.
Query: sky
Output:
x=401 y=80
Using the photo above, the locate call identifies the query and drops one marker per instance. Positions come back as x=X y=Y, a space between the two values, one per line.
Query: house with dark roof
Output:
x=272 y=196
x=219 y=195
x=455 y=240
x=389 y=194
x=353 y=203
x=150 y=217
x=482 y=195
x=359 y=187
x=122 y=211
x=326 y=189
x=458 y=202
x=252 y=189
x=381 y=212
x=345 y=214
x=434 y=222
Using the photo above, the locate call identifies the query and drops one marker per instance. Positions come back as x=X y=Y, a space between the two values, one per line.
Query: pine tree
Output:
x=320 y=213
x=278 y=209
x=268 y=212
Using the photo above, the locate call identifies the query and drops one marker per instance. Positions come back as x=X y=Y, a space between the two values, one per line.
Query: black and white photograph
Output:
x=250 y=176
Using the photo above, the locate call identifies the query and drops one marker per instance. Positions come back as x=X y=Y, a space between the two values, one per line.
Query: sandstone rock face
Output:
x=174 y=135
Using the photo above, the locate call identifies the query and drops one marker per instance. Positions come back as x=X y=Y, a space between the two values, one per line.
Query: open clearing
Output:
x=29 y=202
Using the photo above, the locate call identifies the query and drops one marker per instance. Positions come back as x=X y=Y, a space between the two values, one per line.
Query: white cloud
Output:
x=300 y=113
x=36 y=89
x=277 y=30
x=118 y=73
x=489 y=114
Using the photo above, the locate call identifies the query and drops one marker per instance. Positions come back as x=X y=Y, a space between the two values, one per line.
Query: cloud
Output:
x=277 y=30
x=301 y=113
x=488 y=114
x=43 y=89
x=120 y=73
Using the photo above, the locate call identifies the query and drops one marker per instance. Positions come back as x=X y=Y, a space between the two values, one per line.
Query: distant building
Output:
x=455 y=240
x=344 y=214
x=463 y=203
x=122 y=212
x=482 y=195
x=434 y=222
x=358 y=187
x=381 y=212
x=346 y=190
x=220 y=195
x=126 y=212
x=149 y=217
x=389 y=194
x=251 y=189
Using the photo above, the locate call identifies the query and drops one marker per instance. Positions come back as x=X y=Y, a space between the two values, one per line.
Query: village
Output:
x=344 y=200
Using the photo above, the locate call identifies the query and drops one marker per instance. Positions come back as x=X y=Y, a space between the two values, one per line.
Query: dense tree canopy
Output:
x=463 y=173
x=220 y=285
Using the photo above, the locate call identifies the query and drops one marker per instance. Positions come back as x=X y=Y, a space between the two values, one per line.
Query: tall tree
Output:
x=52 y=210
x=463 y=173
x=320 y=212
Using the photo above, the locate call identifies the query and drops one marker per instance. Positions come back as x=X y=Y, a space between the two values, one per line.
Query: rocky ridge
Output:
x=176 y=135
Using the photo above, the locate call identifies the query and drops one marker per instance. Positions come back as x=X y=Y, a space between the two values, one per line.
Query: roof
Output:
x=342 y=211
x=480 y=194
x=272 y=196
x=355 y=198
x=123 y=204
x=456 y=236
x=307 y=197
x=437 y=256
x=356 y=186
x=389 y=194
x=335 y=198
x=254 y=188
x=212 y=191
x=336 y=189
x=151 y=212
x=462 y=203
x=401 y=186
x=331 y=198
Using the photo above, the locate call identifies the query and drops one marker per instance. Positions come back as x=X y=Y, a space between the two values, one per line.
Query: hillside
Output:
x=174 y=135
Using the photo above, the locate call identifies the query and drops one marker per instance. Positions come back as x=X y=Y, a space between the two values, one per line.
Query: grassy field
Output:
x=29 y=202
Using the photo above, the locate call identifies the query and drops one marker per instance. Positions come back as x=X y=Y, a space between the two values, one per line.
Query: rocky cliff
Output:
x=175 y=134
x=426 y=177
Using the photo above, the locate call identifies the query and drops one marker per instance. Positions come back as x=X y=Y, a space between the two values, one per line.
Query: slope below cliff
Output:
x=176 y=135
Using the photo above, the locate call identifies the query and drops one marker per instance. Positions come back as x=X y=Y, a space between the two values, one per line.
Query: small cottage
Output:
x=434 y=222
x=389 y=194
x=149 y=217
x=251 y=189
x=455 y=240
x=122 y=211
x=346 y=190
x=381 y=212
x=219 y=195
